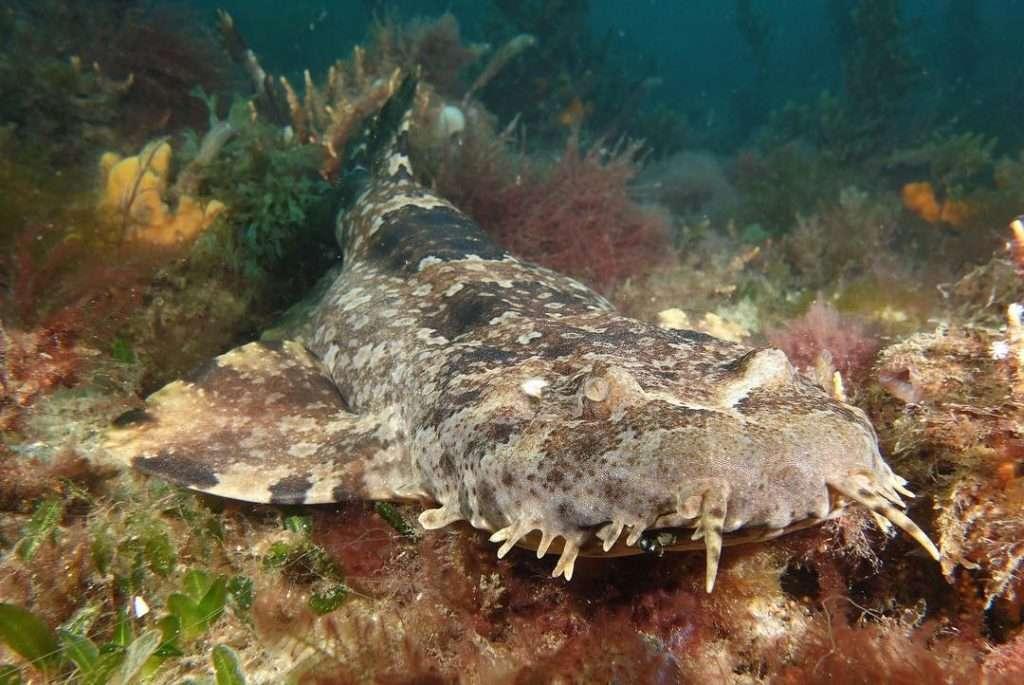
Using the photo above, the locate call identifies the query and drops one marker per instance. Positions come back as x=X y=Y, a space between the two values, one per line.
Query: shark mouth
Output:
x=705 y=530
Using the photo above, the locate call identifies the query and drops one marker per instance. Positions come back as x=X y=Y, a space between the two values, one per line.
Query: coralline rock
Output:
x=954 y=415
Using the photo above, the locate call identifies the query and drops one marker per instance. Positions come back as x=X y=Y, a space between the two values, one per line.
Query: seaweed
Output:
x=575 y=216
x=78 y=78
x=879 y=70
x=784 y=182
x=271 y=188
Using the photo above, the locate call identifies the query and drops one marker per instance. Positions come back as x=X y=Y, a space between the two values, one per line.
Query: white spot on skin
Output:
x=300 y=450
x=453 y=289
x=427 y=261
x=331 y=356
x=398 y=201
x=429 y=336
x=533 y=387
x=423 y=290
x=398 y=163
x=362 y=356
x=525 y=338
x=505 y=316
x=354 y=302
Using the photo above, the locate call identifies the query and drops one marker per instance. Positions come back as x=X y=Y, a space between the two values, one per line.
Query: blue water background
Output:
x=975 y=76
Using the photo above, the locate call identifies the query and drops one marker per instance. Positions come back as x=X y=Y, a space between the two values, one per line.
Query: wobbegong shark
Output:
x=444 y=370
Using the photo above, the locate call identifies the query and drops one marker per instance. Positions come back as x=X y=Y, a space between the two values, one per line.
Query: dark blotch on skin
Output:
x=133 y=417
x=739 y=364
x=467 y=310
x=451 y=404
x=200 y=372
x=413 y=233
x=845 y=412
x=693 y=336
x=500 y=433
x=487 y=503
x=181 y=470
x=471 y=359
x=563 y=348
x=290 y=490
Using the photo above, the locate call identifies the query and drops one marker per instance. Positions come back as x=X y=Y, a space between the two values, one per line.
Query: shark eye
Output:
x=595 y=389
x=607 y=389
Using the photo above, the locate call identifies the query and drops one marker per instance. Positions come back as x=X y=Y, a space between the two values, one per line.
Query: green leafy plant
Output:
x=50 y=652
x=197 y=607
x=240 y=592
x=271 y=188
x=144 y=546
x=226 y=666
x=121 y=351
x=41 y=527
x=304 y=562
x=29 y=637
x=299 y=524
x=327 y=600
x=394 y=519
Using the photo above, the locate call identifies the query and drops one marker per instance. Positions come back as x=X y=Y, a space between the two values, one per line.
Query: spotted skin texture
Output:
x=261 y=423
x=517 y=399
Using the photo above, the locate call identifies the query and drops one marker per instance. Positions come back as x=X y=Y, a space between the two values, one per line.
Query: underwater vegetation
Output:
x=575 y=216
x=160 y=208
x=79 y=75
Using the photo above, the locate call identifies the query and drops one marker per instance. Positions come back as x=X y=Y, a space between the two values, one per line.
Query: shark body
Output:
x=444 y=370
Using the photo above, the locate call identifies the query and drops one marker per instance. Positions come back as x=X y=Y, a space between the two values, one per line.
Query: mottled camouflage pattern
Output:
x=516 y=399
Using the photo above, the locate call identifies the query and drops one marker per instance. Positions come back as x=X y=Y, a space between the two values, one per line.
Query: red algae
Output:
x=823 y=330
x=841 y=654
x=1005 y=664
x=66 y=299
x=358 y=540
x=575 y=217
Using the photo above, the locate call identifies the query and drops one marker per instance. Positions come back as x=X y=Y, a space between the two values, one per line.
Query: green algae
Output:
x=29 y=637
x=394 y=519
x=226 y=666
x=42 y=526
x=271 y=188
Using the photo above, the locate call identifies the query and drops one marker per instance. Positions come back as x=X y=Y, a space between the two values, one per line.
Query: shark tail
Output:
x=380 y=148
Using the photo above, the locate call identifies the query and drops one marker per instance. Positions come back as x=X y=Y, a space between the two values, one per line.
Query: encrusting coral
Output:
x=135 y=196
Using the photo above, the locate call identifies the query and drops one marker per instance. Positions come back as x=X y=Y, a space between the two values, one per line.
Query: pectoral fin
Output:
x=263 y=423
